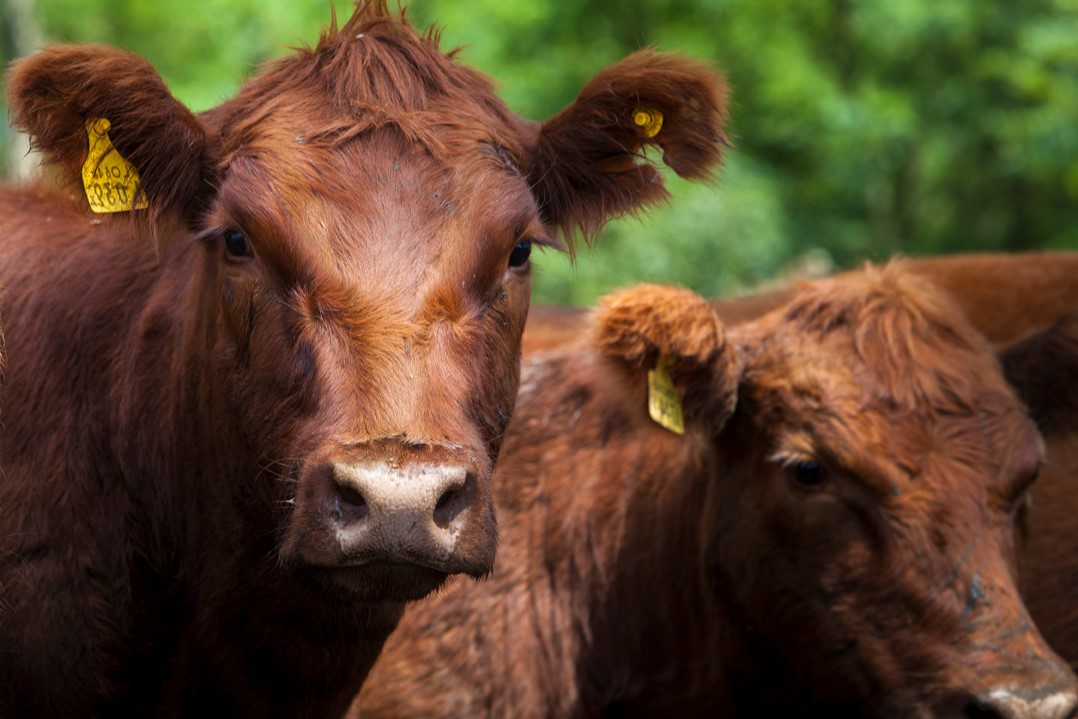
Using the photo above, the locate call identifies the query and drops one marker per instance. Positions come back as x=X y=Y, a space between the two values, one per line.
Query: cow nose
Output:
x=1023 y=704
x=410 y=512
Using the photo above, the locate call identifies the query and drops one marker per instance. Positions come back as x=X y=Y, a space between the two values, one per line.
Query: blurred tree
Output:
x=863 y=127
x=19 y=35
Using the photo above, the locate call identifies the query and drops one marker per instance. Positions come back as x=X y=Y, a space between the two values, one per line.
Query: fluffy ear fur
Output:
x=643 y=324
x=588 y=165
x=51 y=96
x=1043 y=368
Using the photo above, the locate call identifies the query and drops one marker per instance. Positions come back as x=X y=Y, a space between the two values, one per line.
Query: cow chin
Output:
x=400 y=565
x=388 y=578
x=387 y=581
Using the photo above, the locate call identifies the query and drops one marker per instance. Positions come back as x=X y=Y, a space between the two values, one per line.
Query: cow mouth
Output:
x=395 y=581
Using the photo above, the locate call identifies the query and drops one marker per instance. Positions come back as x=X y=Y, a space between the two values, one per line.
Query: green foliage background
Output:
x=862 y=127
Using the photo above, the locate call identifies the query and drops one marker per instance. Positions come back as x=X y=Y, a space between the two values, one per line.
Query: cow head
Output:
x=344 y=268
x=860 y=528
x=866 y=463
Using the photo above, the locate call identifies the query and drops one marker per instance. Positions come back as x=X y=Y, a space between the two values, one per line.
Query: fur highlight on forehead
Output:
x=375 y=71
x=903 y=339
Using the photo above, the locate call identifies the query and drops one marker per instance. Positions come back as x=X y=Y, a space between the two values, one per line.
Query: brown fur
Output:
x=646 y=574
x=1044 y=367
x=173 y=498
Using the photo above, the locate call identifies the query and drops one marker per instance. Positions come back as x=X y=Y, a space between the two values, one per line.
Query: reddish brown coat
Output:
x=1016 y=300
x=841 y=545
x=245 y=425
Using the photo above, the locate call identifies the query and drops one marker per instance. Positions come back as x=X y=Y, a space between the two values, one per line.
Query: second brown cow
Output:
x=838 y=543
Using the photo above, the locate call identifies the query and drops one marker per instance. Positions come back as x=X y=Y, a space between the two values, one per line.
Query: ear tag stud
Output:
x=664 y=403
x=650 y=120
x=110 y=180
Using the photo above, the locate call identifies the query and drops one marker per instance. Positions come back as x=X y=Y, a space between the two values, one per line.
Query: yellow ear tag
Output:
x=650 y=120
x=664 y=402
x=109 y=179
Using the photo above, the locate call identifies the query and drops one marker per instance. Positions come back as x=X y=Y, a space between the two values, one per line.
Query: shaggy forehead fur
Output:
x=883 y=364
x=375 y=71
x=884 y=334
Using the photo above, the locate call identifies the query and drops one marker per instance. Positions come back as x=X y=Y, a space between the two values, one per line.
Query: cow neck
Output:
x=617 y=531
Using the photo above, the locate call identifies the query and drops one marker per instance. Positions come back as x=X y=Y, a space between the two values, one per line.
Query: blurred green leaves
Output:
x=862 y=127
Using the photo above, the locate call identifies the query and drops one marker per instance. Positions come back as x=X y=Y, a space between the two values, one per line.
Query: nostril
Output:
x=454 y=501
x=446 y=499
x=352 y=504
x=977 y=709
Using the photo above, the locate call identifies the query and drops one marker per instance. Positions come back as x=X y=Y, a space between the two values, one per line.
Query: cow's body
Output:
x=246 y=423
x=841 y=546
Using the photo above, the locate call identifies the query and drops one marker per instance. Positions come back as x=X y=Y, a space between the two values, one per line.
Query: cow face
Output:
x=344 y=267
x=876 y=461
x=397 y=369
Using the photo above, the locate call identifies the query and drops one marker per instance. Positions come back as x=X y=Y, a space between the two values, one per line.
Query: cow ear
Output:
x=1043 y=369
x=648 y=325
x=588 y=165
x=54 y=95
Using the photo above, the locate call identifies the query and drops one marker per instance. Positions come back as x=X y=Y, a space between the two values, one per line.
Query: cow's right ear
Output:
x=1043 y=369
x=54 y=94
x=645 y=325
x=587 y=163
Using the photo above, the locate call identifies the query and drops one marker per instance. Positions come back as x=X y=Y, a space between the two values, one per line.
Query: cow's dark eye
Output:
x=807 y=474
x=520 y=253
x=237 y=244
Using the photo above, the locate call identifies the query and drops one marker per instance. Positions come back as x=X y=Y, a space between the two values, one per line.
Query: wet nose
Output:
x=1042 y=703
x=412 y=512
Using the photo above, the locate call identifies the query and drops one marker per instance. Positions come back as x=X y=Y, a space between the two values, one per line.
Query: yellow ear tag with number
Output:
x=650 y=120
x=664 y=402
x=110 y=180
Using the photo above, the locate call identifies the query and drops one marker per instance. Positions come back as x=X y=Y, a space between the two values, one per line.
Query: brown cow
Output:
x=840 y=545
x=1011 y=298
x=254 y=398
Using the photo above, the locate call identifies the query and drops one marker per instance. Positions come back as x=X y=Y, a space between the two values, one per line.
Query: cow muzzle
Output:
x=405 y=518
x=413 y=514
x=1023 y=681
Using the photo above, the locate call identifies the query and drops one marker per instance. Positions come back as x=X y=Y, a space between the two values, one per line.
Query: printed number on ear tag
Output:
x=110 y=180
x=664 y=403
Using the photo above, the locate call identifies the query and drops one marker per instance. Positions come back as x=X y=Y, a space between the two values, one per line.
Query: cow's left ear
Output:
x=1043 y=369
x=649 y=326
x=60 y=97
x=587 y=164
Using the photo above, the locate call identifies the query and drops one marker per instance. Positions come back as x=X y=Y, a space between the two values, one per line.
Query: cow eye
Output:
x=237 y=244
x=520 y=253
x=807 y=474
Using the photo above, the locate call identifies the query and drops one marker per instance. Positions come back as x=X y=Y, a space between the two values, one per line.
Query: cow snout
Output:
x=390 y=520
x=412 y=513
x=1042 y=703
